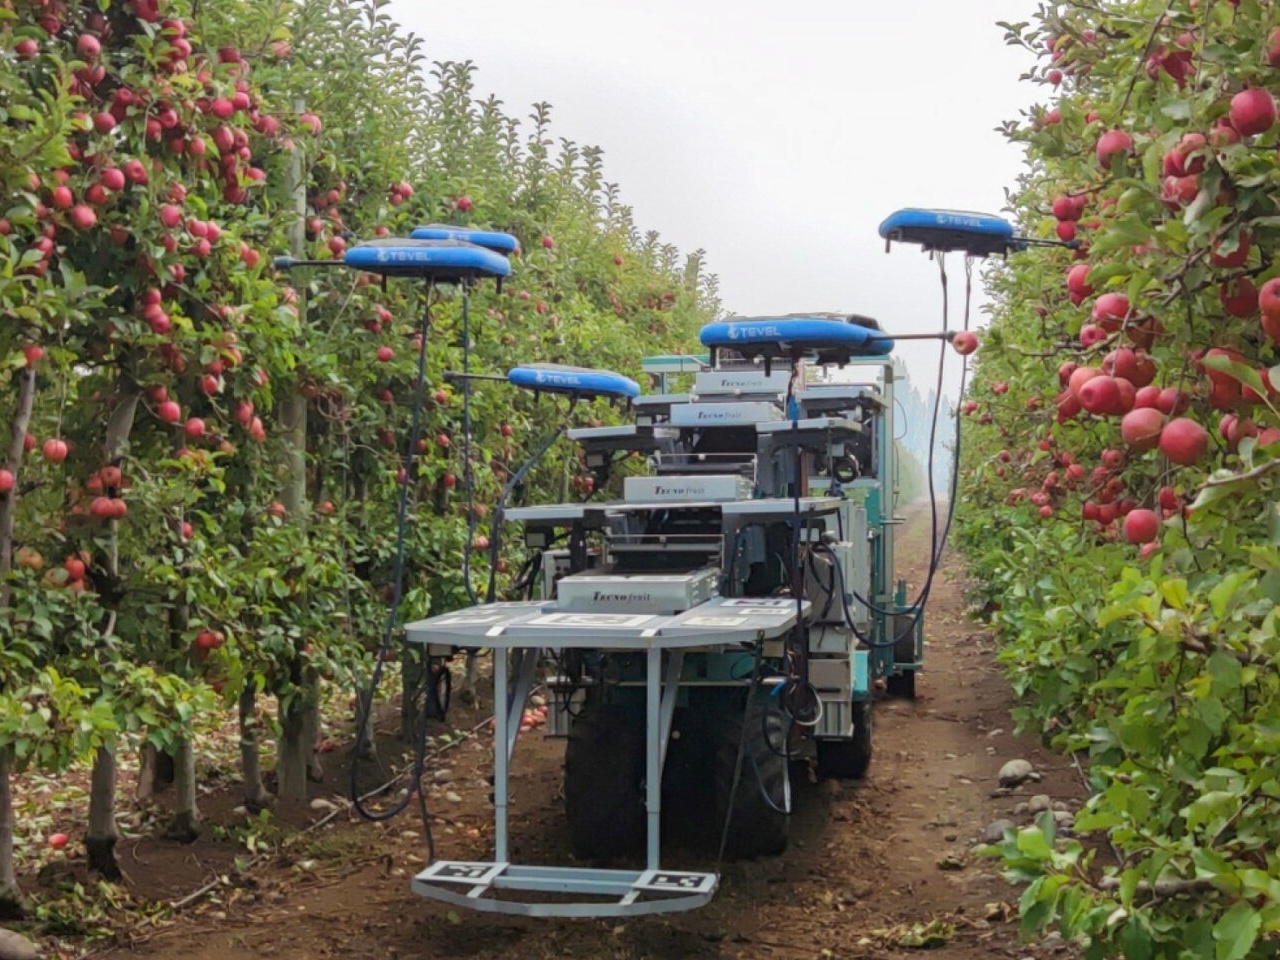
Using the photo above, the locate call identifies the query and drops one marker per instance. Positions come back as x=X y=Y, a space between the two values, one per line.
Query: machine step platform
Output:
x=476 y=885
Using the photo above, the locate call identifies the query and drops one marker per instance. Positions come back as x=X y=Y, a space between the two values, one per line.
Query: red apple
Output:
x=1141 y=526
x=1110 y=310
x=1253 y=110
x=1235 y=258
x=1239 y=297
x=54 y=450
x=58 y=840
x=965 y=342
x=1147 y=397
x=1111 y=144
x=1184 y=441
x=1079 y=377
x=6 y=481
x=169 y=411
x=1269 y=304
x=1141 y=428
x=385 y=354
x=1100 y=396
x=1180 y=162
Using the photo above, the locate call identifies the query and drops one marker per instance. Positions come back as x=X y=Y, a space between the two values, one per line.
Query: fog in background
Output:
x=774 y=136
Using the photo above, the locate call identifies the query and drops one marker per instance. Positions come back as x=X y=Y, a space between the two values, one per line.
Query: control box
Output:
x=718 y=487
x=637 y=592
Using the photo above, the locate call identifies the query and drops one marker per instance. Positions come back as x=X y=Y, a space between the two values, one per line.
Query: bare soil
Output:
x=875 y=869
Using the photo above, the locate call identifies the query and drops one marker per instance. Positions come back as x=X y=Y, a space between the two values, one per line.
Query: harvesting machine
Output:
x=735 y=610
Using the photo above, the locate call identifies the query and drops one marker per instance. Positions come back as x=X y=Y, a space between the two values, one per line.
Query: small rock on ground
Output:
x=995 y=831
x=1039 y=803
x=14 y=946
x=1015 y=772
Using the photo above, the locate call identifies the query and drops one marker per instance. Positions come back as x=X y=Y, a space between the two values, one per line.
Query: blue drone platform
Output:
x=446 y=261
x=977 y=234
x=828 y=339
x=503 y=243
x=573 y=381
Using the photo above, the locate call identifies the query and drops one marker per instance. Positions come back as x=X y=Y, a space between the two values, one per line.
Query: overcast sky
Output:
x=776 y=136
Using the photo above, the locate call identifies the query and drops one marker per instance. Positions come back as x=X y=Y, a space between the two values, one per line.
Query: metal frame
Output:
x=518 y=633
x=670 y=891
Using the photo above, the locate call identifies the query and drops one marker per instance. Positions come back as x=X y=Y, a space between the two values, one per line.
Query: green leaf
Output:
x=1236 y=931
x=1175 y=593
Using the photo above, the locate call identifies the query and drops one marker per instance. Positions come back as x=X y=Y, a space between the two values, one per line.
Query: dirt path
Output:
x=874 y=868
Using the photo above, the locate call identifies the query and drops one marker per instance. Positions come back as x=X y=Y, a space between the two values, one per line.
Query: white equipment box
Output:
x=737 y=382
x=716 y=487
x=637 y=592
x=724 y=414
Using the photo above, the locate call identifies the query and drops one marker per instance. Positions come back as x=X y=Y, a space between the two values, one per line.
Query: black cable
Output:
x=799 y=680
x=845 y=592
x=789 y=722
x=499 y=512
x=936 y=546
x=785 y=810
x=365 y=702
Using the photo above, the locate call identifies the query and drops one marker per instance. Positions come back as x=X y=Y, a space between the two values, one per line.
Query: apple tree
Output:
x=1122 y=439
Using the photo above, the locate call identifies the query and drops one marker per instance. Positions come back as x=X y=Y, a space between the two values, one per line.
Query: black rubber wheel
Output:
x=757 y=826
x=604 y=780
x=848 y=759
x=904 y=651
x=902 y=685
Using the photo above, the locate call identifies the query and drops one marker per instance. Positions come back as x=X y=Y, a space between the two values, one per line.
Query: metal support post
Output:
x=501 y=759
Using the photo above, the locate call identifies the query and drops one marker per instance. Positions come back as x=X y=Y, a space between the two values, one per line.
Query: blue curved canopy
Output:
x=443 y=260
x=829 y=339
x=578 y=381
x=978 y=234
x=503 y=243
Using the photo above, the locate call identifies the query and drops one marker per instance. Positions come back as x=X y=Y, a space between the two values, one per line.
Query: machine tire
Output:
x=604 y=780
x=849 y=759
x=903 y=684
x=755 y=828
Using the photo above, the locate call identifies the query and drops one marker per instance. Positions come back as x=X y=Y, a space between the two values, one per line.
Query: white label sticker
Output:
x=591 y=620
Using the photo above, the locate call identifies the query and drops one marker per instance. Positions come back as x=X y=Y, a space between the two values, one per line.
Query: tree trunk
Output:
x=311 y=733
x=13 y=457
x=155 y=773
x=11 y=903
x=255 y=793
x=184 y=826
x=413 y=689
x=12 y=906
x=293 y=750
x=103 y=832
x=366 y=744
